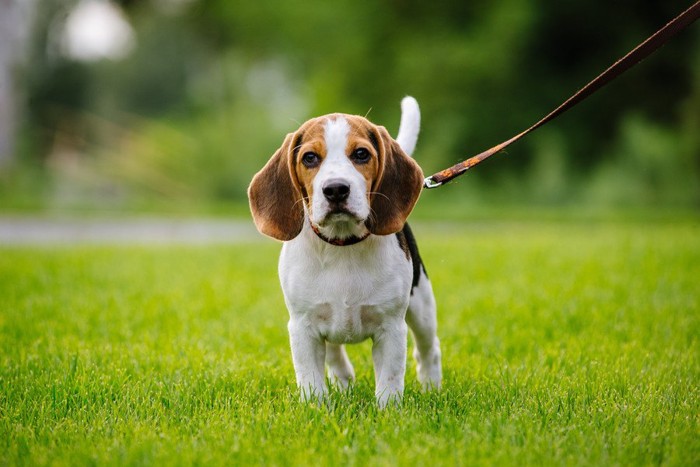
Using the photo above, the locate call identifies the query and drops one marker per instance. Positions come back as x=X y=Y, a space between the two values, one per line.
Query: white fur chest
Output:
x=345 y=294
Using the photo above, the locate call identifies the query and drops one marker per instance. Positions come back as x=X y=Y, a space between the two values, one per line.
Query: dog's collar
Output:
x=338 y=241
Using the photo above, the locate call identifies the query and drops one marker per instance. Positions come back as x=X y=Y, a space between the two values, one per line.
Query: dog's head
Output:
x=343 y=172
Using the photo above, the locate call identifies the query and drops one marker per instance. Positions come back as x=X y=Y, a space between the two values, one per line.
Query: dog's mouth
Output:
x=340 y=213
x=339 y=218
x=341 y=223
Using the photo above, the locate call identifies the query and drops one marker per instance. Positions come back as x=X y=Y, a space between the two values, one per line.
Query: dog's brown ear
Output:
x=399 y=185
x=275 y=199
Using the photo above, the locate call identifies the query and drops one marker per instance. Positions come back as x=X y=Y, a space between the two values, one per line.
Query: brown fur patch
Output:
x=312 y=141
x=398 y=189
x=275 y=198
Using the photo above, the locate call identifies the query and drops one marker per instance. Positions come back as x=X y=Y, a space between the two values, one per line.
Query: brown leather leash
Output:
x=638 y=54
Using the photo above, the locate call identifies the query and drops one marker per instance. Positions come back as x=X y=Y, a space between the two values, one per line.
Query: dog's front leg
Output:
x=389 y=356
x=308 y=354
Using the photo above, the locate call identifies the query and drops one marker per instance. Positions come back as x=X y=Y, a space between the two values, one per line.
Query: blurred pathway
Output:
x=33 y=231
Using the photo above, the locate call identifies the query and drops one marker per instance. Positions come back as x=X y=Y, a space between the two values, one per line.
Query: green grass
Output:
x=563 y=343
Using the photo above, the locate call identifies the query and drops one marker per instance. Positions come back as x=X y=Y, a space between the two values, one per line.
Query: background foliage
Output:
x=212 y=86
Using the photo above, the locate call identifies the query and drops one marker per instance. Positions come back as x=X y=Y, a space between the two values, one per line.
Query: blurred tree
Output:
x=228 y=79
x=14 y=26
x=492 y=68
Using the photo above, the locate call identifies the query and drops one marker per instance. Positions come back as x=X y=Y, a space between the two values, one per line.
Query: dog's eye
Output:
x=310 y=160
x=361 y=155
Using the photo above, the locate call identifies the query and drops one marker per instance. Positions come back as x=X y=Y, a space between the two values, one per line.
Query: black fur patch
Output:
x=403 y=243
x=296 y=147
x=408 y=244
x=373 y=139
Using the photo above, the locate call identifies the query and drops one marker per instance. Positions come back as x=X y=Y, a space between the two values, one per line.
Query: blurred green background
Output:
x=172 y=105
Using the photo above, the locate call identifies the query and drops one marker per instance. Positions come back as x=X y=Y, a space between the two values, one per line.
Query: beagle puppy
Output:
x=338 y=192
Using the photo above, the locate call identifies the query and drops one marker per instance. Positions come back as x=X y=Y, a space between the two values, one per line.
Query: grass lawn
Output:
x=563 y=343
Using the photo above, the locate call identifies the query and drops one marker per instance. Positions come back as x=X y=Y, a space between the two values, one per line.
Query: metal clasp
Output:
x=430 y=183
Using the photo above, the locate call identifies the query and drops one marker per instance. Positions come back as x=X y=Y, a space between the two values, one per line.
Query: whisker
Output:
x=356 y=132
x=380 y=194
x=299 y=200
x=372 y=216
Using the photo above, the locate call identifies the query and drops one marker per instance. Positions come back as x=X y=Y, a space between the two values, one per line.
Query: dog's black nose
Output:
x=336 y=191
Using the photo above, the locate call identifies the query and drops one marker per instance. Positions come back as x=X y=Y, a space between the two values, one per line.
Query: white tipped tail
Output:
x=410 y=125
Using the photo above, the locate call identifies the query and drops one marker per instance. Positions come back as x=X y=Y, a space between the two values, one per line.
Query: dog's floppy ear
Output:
x=400 y=182
x=275 y=199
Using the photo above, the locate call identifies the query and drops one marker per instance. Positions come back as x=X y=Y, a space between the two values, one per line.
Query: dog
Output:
x=338 y=193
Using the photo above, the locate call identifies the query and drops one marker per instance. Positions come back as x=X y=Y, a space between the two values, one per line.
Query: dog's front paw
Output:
x=341 y=380
x=389 y=399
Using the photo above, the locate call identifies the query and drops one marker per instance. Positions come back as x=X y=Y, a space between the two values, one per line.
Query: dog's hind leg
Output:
x=421 y=318
x=340 y=371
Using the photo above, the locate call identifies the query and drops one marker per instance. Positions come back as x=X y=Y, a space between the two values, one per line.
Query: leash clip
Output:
x=430 y=183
